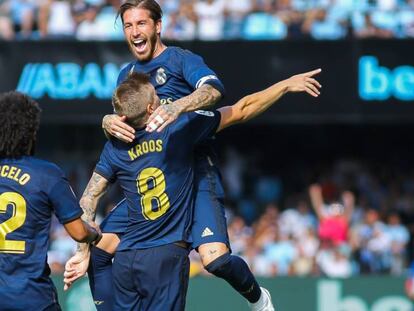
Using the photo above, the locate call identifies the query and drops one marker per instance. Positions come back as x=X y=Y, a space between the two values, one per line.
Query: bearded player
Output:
x=184 y=83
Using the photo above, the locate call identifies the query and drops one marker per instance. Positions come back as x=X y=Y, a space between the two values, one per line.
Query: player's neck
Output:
x=159 y=48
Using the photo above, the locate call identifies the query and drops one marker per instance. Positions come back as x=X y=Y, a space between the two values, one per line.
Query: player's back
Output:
x=30 y=191
x=156 y=174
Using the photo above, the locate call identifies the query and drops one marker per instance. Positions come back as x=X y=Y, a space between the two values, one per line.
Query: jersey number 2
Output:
x=155 y=194
x=18 y=204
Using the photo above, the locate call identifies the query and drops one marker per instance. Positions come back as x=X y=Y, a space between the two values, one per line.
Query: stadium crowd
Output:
x=350 y=223
x=213 y=19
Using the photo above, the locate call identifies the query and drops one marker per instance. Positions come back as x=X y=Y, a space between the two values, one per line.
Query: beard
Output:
x=148 y=54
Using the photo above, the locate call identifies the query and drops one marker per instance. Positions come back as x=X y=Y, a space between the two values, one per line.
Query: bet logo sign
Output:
x=380 y=83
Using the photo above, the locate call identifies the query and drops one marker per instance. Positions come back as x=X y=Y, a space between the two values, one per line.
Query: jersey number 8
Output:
x=155 y=194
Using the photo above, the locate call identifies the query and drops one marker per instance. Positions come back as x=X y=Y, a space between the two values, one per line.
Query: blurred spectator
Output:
x=370 y=244
x=99 y=23
x=236 y=11
x=366 y=28
x=6 y=27
x=264 y=26
x=56 y=19
x=181 y=25
x=334 y=262
x=210 y=14
x=321 y=26
x=399 y=238
x=22 y=13
x=333 y=218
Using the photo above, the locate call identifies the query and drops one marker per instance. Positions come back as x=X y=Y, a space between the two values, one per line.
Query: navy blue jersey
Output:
x=176 y=73
x=156 y=174
x=30 y=191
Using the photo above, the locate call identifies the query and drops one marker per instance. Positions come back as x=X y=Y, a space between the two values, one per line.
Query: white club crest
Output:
x=161 y=76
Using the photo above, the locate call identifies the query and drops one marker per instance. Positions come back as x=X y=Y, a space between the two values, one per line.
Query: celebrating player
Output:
x=30 y=191
x=174 y=73
x=156 y=174
x=184 y=83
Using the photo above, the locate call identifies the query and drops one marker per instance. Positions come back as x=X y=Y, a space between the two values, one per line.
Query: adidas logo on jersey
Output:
x=207 y=232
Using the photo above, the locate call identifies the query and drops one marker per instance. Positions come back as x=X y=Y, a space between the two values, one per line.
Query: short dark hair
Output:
x=19 y=123
x=132 y=97
x=152 y=6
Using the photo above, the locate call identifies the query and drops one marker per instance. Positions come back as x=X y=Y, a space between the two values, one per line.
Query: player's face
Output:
x=141 y=33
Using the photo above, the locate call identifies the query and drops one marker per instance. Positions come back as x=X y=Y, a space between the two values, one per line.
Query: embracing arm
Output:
x=203 y=97
x=255 y=104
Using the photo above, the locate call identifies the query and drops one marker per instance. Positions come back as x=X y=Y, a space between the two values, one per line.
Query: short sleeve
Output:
x=105 y=167
x=63 y=199
x=197 y=73
x=201 y=125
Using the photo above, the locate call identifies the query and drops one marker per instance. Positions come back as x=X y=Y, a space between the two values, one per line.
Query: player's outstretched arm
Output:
x=255 y=104
x=203 y=97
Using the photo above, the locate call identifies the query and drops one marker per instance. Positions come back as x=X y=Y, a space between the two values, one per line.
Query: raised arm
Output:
x=203 y=97
x=315 y=194
x=255 y=104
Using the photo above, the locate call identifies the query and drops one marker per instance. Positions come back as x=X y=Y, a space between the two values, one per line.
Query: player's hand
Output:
x=305 y=82
x=162 y=116
x=115 y=126
x=75 y=268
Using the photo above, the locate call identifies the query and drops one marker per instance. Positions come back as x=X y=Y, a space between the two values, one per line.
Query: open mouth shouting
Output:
x=140 y=45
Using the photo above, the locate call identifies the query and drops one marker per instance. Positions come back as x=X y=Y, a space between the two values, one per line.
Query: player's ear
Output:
x=150 y=109
x=158 y=26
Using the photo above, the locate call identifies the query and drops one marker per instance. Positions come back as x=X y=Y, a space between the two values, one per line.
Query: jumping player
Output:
x=184 y=83
x=155 y=172
x=31 y=190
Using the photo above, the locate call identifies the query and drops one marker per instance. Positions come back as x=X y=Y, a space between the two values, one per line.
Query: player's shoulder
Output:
x=182 y=53
x=46 y=167
x=114 y=148
x=45 y=173
x=127 y=68
x=125 y=72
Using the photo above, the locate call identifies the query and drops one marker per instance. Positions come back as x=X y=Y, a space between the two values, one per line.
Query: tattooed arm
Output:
x=95 y=189
x=78 y=264
x=204 y=97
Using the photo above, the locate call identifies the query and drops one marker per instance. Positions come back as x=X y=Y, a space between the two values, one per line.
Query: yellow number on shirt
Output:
x=18 y=205
x=154 y=194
